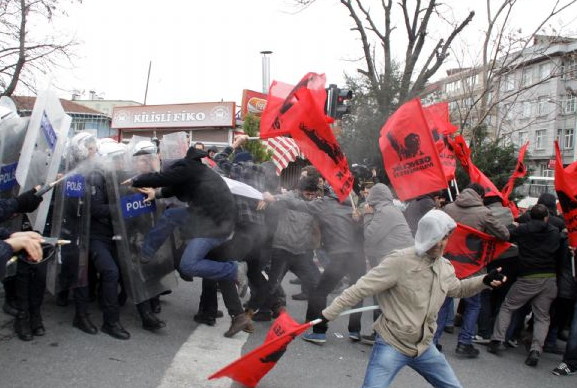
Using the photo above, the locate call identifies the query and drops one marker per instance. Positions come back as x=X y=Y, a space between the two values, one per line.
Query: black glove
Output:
x=324 y=320
x=492 y=276
x=28 y=201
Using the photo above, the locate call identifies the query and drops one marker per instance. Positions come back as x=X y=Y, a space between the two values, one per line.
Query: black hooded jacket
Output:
x=539 y=244
x=210 y=202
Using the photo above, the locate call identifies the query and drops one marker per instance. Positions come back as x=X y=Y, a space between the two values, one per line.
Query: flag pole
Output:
x=359 y=310
x=456 y=186
x=253 y=138
x=449 y=191
x=352 y=201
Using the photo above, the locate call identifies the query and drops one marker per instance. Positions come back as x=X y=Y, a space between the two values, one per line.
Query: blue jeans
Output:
x=195 y=264
x=570 y=356
x=386 y=362
x=472 y=309
x=169 y=220
x=445 y=313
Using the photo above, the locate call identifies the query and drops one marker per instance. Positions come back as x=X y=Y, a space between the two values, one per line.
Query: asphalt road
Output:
x=184 y=354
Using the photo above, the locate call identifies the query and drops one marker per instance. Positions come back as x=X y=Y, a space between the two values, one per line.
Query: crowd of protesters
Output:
x=370 y=242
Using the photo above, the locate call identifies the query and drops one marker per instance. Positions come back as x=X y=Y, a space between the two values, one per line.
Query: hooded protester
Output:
x=385 y=230
x=411 y=285
x=418 y=207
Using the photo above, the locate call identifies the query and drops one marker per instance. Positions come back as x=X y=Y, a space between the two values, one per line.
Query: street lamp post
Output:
x=265 y=70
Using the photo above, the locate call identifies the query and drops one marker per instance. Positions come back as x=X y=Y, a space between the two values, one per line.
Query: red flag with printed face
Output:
x=566 y=188
x=318 y=143
x=278 y=118
x=409 y=153
x=253 y=366
x=470 y=250
x=437 y=117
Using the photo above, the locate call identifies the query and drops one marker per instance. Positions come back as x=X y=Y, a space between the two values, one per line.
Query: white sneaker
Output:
x=480 y=340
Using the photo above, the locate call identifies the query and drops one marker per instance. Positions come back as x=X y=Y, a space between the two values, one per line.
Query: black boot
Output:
x=532 y=358
x=155 y=305
x=36 y=325
x=151 y=321
x=115 y=330
x=467 y=350
x=84 y=323
x=9 y=307
x=22 y=326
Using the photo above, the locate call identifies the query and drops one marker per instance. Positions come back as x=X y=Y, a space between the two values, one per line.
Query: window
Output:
x=569 y=103
x=542 y=106
x=559 y=138
x=470 y=82
x=539 y=139
x=468 y=102
x=453 y=106
x=523 y=137
x=569 y=138
x=451 y=87
x=544 y=71
x=509 y=82
x=527 y=77
x=507 y=111
x=525 y=109
x=569 y=69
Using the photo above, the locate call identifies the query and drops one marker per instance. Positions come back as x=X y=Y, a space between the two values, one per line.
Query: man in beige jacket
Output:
x=411 y=285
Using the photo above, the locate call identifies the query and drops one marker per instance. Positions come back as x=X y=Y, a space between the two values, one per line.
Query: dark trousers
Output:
x=30 y=284
x=570 y=356
x=68 y=278
x=103 y=256
x=208 y=305
x=283 y=261
x=351 y=264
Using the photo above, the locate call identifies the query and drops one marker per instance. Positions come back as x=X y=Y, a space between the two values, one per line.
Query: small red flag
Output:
x=470 y=250
x=318 y=143
x=566 y=188
x=409 y=153
x=520 y=171
x=437 y=116
x=278 y=118
x=251 y=368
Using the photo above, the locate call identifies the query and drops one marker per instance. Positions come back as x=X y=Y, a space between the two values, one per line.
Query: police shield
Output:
x=12 y=134
x=173 y=146
x=71 y=219
x=42 y=151
x=132 y=220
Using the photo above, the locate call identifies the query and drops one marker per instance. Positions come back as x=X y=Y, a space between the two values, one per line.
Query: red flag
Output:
x=470 y=250
x=318 y=143
x=520 y=171
x=437 y=116
x=278 y=118
x=566 y=188
x=409 y=153
x=251 y=368
x=463 y=155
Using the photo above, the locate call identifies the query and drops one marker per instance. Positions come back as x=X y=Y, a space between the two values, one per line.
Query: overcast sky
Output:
x=209 y=50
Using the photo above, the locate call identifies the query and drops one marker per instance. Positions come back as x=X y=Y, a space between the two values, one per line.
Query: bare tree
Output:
x=419 y=64
x=24 y=56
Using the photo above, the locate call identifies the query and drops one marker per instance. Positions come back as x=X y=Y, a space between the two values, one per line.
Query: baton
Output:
x=46 y=188
x=52 y=241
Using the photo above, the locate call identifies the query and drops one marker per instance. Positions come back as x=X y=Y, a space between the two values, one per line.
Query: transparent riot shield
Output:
x=42 y=151
x=12 y=133
x=133 y=219
x=70 y=221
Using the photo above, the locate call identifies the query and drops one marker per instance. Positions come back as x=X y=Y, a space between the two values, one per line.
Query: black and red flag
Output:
x=318 y=143
x=278 y=118
x=520 y=172
x=409 y=153
x=566 y=188
x=251 y=368
x=437 y=116
x=470 y=250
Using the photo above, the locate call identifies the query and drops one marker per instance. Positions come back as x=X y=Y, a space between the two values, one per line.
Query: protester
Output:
x=419 y=206
x=411 y=285
x=539 y=244
x=468 y=209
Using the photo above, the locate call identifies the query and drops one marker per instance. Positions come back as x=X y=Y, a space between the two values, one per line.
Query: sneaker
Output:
x=496 y=347
x=480 y=340
x=368 y=339
x=512 y=343
x=467 y=350
x=317 y=338
x=354 y=336
x=241 y=278
x=564 y=370
x=532 y=358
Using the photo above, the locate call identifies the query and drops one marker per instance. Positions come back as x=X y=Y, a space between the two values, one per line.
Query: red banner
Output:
x=253 y=366
x=566 y=188
x=278 y=118
x=437 y=117
x=409 y=153
x=470 y=250
x=318 y=143
x=520 y=172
